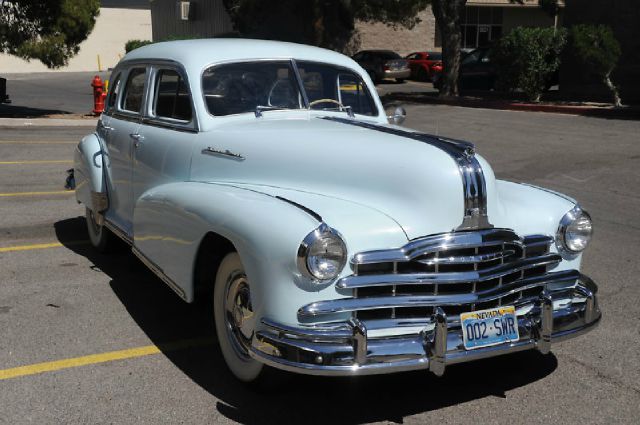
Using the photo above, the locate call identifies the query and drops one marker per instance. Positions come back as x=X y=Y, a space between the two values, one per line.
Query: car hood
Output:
x=417 y=185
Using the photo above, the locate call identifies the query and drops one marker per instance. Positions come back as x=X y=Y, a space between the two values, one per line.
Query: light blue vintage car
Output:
x=266 y=176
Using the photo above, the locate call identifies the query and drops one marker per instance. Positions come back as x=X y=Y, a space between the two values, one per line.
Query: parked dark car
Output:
x=477 y=72
x=424 y=65
x=381 y=64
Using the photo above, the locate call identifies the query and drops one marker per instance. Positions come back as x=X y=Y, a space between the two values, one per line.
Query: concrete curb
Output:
x=603 y=111
x=48 y=122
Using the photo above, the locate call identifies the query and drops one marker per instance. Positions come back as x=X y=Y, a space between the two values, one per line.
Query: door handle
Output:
x=103 y=126
x=138 y=138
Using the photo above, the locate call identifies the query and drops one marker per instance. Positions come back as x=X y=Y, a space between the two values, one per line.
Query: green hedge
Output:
x=527 y=57
x=134 y=44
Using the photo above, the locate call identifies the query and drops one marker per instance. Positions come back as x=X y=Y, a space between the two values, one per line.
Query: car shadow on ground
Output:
x=13 y=111
x=165 y=318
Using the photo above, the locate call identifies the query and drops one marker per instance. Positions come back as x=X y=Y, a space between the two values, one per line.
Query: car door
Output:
x=121 y=134
x=162 y=152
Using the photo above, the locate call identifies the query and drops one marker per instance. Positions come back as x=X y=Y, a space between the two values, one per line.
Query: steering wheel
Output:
x=315 y=102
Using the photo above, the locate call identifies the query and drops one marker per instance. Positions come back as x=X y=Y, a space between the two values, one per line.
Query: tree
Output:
x=526 y=59
x=447 y=14
x=324 y=23
x=50 y=31
x=597 y=50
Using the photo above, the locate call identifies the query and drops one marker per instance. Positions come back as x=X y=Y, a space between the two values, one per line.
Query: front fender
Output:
x=170 y=222
x=88 y=172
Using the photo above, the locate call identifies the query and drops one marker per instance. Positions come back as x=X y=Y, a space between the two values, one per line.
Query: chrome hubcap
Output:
x=239 y=313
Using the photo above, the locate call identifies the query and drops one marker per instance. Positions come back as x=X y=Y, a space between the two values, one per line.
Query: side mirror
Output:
x=398 y=116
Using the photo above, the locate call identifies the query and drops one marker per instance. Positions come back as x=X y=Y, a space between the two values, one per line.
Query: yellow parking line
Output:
x=53 y=192
x=110 y=356
x=33 y=142
x=59 y=161
x=40 y=246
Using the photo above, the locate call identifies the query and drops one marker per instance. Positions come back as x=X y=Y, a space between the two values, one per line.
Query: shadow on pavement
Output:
x=13 y=111
x=165 y=318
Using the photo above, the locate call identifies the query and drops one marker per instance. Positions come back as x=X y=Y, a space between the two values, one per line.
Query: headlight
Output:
x=322 y=254
x=574 y=232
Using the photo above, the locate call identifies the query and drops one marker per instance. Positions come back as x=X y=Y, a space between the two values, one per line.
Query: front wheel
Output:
x=234 y=318
x=100 y=237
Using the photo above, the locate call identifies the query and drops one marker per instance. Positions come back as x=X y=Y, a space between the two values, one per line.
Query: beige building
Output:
x=118 y=22
x=483 y=22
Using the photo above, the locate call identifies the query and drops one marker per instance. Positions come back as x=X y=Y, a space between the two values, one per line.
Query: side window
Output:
x=354 y=94
x=134 y=90
x=113 y=92
x=172 y=98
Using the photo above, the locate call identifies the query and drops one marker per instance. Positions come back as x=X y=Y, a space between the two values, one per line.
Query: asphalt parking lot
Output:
x=88 y=338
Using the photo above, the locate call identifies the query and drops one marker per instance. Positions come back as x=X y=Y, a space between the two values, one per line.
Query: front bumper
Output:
x=346 y=348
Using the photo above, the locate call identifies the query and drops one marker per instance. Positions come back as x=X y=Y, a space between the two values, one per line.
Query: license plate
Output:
x=489 y=327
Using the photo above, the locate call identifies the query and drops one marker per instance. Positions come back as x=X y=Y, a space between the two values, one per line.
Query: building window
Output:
x=480 y=26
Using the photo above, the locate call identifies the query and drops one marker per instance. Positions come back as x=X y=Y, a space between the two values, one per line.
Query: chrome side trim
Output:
x=226 y=153
x=309 y=211
x=158 y=272
x=118 y=232
x=463 y=153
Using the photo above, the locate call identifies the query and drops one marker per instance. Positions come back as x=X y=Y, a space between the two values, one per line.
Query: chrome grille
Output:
x=460 y=271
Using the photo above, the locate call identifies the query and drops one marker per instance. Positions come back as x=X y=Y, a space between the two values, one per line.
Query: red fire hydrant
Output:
x=99 y=94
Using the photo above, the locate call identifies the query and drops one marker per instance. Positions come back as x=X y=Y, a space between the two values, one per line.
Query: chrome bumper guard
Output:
x=345 y=348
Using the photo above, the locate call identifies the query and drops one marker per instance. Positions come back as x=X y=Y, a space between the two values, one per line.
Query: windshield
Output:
x=256 y=86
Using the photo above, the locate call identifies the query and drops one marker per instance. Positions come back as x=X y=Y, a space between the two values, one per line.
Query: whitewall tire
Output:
x=101 y=238
x=234 y=318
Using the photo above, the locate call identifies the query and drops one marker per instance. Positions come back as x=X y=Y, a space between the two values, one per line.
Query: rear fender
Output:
x=89 y=173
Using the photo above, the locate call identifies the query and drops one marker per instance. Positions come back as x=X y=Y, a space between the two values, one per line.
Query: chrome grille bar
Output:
x=381 y=302
x=361 y=281
x=448 y=241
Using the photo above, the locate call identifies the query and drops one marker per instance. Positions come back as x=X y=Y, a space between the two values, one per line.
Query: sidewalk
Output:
x=45 y=94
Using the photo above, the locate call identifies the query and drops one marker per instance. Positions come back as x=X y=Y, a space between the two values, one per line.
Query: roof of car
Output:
x=197 y=54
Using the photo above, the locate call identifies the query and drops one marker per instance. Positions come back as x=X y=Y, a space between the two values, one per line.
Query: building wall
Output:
x=209 y=19
x=525 y=17
x=113 y=28
x=401 y=40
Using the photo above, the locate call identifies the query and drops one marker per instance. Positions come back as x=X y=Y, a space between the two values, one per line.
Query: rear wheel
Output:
x=234 y=318
x=400 y=80
x=101 y=238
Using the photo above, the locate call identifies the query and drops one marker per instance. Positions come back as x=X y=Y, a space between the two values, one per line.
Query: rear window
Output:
x=388 y=55
x=172 y=96
x=134 y=90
